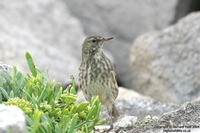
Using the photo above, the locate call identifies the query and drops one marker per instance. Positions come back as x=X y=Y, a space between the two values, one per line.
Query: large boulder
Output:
x=124 y=20
x=165 y=64
x=47 y=30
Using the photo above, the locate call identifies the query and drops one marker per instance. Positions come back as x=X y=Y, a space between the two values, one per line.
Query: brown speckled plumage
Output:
x=97 y=75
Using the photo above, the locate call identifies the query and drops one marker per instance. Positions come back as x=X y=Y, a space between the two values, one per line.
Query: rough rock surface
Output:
x=12 y=119
x=123 y=20
x=125 y=122
x=135 y=110
x=142 y=107
x=186 y=118
x=183 y=119
x=166 y=64
x=47 y=30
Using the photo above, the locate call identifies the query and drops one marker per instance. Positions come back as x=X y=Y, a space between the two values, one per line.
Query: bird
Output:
x=97 y=75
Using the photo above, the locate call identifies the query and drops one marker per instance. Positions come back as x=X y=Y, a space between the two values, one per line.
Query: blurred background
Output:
x=53 y=32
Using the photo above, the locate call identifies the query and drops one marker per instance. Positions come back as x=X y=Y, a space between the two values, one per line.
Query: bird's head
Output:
x=93 y=44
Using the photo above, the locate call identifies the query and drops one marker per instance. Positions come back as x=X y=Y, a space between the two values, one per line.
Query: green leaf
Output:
x=31 y=64
x=46 y=127
x=73 y=87
x=20 y=80
x=4 y=93
x=29 y=121
x=42 y=95
x=1 y=99
x=12 y=95
x=72 y=98
x=36 y=120
x=56 y=111
x=31 y=99
x=7 y=77
x=81 y=106
x=91 y=113
x=73 y=123
x=64 y=125
x=100 y=122
x=98 y=104
x=1 y=81
x=58 y=92
x=57 y=129
x=86 y=129
x=95 y=101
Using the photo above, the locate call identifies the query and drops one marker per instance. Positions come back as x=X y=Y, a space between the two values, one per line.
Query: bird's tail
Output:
x=115 y=113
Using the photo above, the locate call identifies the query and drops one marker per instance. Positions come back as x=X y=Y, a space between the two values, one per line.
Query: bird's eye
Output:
x=94 y=40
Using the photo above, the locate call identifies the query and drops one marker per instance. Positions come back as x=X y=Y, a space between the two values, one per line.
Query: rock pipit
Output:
x=97 y=75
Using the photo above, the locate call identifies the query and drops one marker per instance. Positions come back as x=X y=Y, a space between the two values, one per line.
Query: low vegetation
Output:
x=48 y=107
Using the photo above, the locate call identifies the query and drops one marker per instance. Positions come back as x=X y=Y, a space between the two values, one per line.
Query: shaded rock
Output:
x=187 y=118
x=123 y=20
x=185 y=7
x=12 y=119
x=47 y=30
x=165 y=64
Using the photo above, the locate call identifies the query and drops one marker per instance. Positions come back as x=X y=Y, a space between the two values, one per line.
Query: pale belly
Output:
x=98 y=89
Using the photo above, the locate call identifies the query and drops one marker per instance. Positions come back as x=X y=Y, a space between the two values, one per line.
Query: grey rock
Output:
x=12 y=119
x=5 y=67
x=143 y=107
x=165 y=64
x=124 y=20
x=124 y=123
x=140 y=108
x=128 y=94
x=187 y=117
x=133 y=110
x=47 y=30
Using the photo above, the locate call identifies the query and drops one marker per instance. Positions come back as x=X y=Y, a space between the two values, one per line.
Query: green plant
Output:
x=48 y=107
x=21 y=103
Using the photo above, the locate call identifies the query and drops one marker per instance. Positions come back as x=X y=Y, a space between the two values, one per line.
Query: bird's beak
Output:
x=107 y=39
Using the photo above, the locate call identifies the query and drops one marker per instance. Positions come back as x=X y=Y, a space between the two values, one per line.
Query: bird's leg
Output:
x=109 y=129
x=111 y=119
